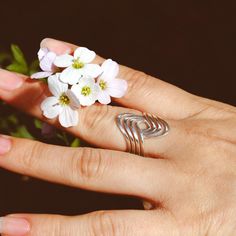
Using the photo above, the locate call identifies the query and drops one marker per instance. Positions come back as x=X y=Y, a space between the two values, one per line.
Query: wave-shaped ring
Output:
x=136 y=128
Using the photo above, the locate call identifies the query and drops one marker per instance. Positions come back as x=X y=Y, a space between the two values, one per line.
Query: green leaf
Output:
x=60 y=136
x=18 y=55
x=22 y=132
x=19 y=63
x=75 y=143
x=38 y=123
x=13 y=119
x=34 y=66
x=17 y=68
x=44 y=80
x=63 y=137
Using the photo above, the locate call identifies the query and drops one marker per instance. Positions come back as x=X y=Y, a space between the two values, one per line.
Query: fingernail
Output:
x=5 y=145
x=56 y=46
x=9 y=81
x=14 y=226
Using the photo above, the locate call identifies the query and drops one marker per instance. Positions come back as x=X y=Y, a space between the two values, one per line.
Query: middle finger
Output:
x=97 y=123
x=94 y=169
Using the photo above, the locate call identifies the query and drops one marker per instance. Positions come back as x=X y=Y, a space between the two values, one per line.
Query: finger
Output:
x=94 y=169
x=107 y=223
x=145 y=93
x=97 y=123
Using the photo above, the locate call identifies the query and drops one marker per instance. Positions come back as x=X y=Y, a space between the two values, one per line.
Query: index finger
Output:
x=145 y=93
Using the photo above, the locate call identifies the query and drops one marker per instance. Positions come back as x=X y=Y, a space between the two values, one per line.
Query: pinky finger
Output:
x=105 y=223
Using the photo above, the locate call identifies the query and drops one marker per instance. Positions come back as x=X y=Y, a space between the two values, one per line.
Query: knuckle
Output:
x=56 y=228
x=105 y=223
x=95 y=117
x=53 y=226
x=88 y=165
x=30 y=155
x=137 y=80
x=37 y=94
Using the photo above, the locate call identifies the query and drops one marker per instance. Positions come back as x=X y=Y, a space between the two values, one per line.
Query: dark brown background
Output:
x=188 y=43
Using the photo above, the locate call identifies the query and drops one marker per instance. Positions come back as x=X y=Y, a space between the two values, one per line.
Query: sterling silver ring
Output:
x=137 y=128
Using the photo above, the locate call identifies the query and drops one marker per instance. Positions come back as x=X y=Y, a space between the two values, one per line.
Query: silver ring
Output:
x=136 y=128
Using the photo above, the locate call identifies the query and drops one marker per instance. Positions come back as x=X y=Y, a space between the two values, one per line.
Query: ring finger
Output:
x=97 y=123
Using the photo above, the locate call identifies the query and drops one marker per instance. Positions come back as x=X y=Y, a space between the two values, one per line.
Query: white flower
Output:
x=46 y=60
x=77 y=66
x=109 y=85
x=42 y=52
x=86 y=91
x=63 y=103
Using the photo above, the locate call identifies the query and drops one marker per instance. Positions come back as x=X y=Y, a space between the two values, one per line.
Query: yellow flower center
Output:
x=86 y=90
x=102 y=84
x=77 y=64
x=64 y=100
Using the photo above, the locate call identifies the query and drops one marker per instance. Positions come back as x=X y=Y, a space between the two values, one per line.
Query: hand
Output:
x=189 y=175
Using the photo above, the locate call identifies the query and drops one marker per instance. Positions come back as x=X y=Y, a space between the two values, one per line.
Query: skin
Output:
x=189 y=175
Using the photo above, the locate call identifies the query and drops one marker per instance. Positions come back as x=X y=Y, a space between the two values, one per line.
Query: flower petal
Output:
x=70 y=75
x=104 y=97
x=110 y=70
x=68 y=117
x=84 y=54
x=76 y=89
x=46 y=64
x=87 y=100
x=50 y=107
x=91 y=70
x=117 y=88
x=55 y=86
x=86 y=81
x=41 y=75
x=42 y=52
x=90 y=99
x=64 y=60
x=74 y=101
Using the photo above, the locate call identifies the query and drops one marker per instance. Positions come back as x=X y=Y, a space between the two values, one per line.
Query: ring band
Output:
x=136 y=128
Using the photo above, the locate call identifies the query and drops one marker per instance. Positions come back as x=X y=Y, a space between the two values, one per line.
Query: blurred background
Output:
x=187 y=43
